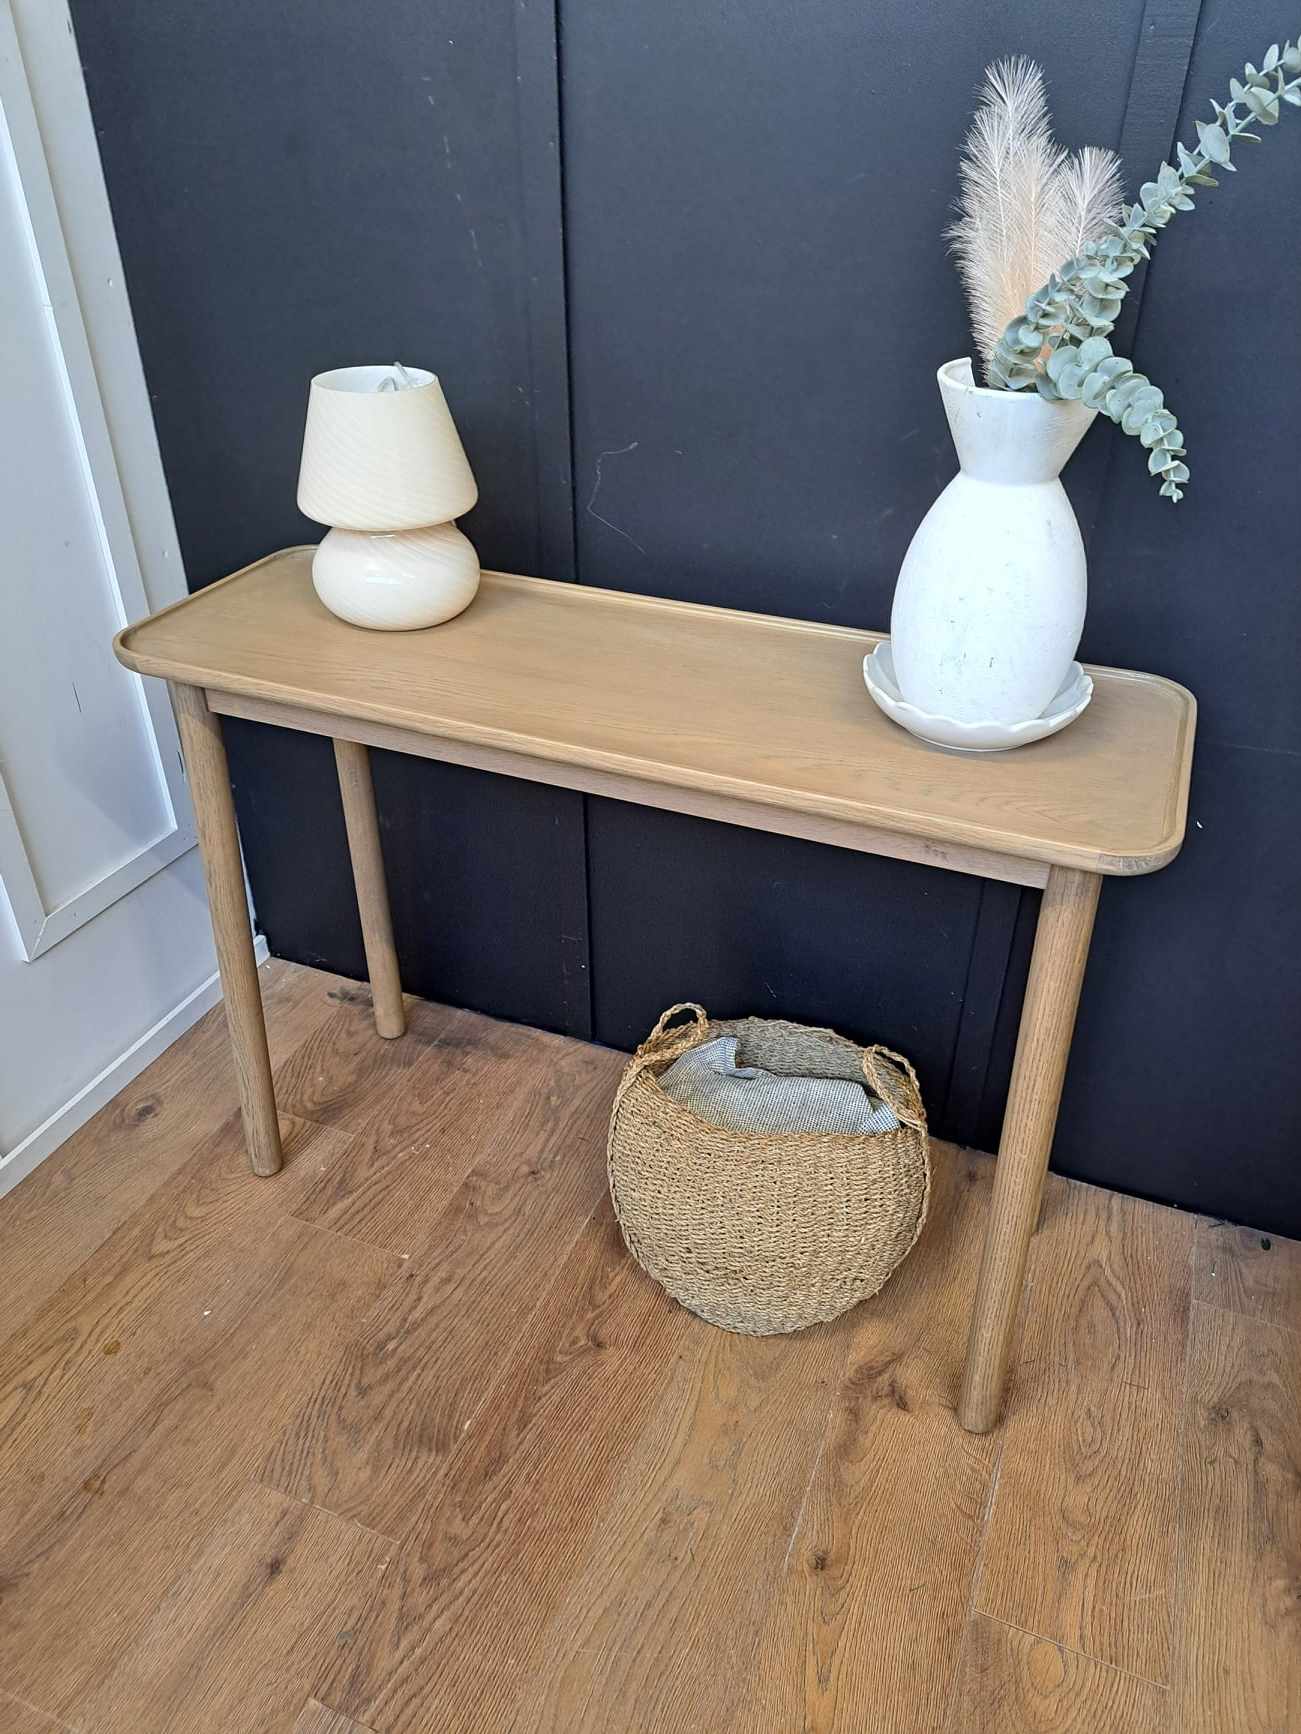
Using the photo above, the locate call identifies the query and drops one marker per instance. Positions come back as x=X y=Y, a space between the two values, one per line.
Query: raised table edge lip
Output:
x=1037 y=855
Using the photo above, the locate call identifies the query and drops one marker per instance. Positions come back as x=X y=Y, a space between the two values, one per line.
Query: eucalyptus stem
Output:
x=1059 y=345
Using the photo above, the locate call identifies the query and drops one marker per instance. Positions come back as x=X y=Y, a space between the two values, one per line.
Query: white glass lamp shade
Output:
x=382 y=460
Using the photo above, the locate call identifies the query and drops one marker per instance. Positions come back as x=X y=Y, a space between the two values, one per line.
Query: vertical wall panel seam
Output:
x=541 y=182
x=1158 y=80
x=1147 y=137
x=541 y=144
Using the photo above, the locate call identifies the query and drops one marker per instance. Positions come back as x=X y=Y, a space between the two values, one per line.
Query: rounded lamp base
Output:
x=396 y=581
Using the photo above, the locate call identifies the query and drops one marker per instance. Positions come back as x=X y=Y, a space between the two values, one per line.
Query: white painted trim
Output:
x=26 y=126
x=115 y=1077
x=48 y=49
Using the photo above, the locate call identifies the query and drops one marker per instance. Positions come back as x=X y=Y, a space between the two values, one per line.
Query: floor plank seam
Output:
x=50 y=1717
x=427 y=1045
x=1069 y=1650
x=325 y=1510
x=1259 y=1319
x=1181 y=1481
x=977 y=1579
x=818 y=1456
x=342 y=1234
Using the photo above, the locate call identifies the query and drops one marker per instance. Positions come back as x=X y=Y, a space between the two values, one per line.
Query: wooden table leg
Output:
x=358 y=792
x=1061 y=949
x=223 y=869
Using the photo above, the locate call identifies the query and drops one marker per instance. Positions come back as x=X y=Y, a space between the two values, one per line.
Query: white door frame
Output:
x=23 y=163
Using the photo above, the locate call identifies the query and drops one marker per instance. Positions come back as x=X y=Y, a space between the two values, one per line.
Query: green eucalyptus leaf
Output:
x=1114 y=368
x=1214 y=142
x=1167 y=179
x=1149 y=398
x=1100 y=309
x=1264 y=105
x=1092 y=352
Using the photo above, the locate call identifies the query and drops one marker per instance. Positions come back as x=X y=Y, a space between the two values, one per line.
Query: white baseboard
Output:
x=74 y=1113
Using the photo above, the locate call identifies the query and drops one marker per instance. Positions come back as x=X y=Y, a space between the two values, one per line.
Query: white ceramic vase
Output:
x=990 y=602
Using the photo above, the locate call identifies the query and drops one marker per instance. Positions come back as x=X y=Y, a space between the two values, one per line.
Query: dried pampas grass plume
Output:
x=1089 y=197
x=1026 y=205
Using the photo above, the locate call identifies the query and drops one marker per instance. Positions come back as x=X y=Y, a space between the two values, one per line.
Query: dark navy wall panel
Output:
x=695 y=248
x=301 y=187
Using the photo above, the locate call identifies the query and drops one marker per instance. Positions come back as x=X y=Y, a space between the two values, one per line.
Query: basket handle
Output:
x=896 y=1084
x=662 y=1042
x=662 y=1036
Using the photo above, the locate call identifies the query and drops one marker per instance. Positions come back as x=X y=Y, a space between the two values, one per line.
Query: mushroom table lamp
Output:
x=384 y=466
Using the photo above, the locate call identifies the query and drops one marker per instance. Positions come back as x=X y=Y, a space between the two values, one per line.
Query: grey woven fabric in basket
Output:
x=708 y=1080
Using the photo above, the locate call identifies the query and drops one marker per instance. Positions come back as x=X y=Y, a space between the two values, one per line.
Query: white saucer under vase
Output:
x=973 y=737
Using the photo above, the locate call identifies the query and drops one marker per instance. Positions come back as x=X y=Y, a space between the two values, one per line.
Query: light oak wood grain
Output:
x=342 y=1069
x=357 y=792
x=728 y=715
x=1238 y=1659
x=1011 y=1682
x=268 y=1598
x=623 y=786
x=646 y=1519
x=468 y=1598
x=75 y=1199
x=223 y=873
x=92 y=1545
x=730 y=704
x=381 y=1427
x=660 y=1627
x=427 y=1127
x=116 y=1337
x=1061 y=950
x=1245 y=1271
x=866 y=1620
x=1079 y=1545
x=318 y=1718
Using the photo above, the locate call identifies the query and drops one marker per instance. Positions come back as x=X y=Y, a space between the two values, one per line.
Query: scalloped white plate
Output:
x=972 y=737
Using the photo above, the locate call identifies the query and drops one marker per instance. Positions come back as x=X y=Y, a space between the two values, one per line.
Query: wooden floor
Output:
x=402 y=1440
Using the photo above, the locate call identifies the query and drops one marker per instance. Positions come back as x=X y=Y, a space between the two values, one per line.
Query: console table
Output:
x=744 y=718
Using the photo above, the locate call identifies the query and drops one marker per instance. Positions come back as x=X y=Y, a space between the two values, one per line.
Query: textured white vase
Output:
x=990 y=602
x=396 y=581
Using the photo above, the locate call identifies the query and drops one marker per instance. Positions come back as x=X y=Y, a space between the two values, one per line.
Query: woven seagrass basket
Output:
x=766 y=1231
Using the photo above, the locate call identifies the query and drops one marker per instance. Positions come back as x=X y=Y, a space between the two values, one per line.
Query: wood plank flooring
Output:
x=401 y=1440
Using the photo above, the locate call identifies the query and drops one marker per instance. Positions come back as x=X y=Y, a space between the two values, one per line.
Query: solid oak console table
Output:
x=739 y=717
